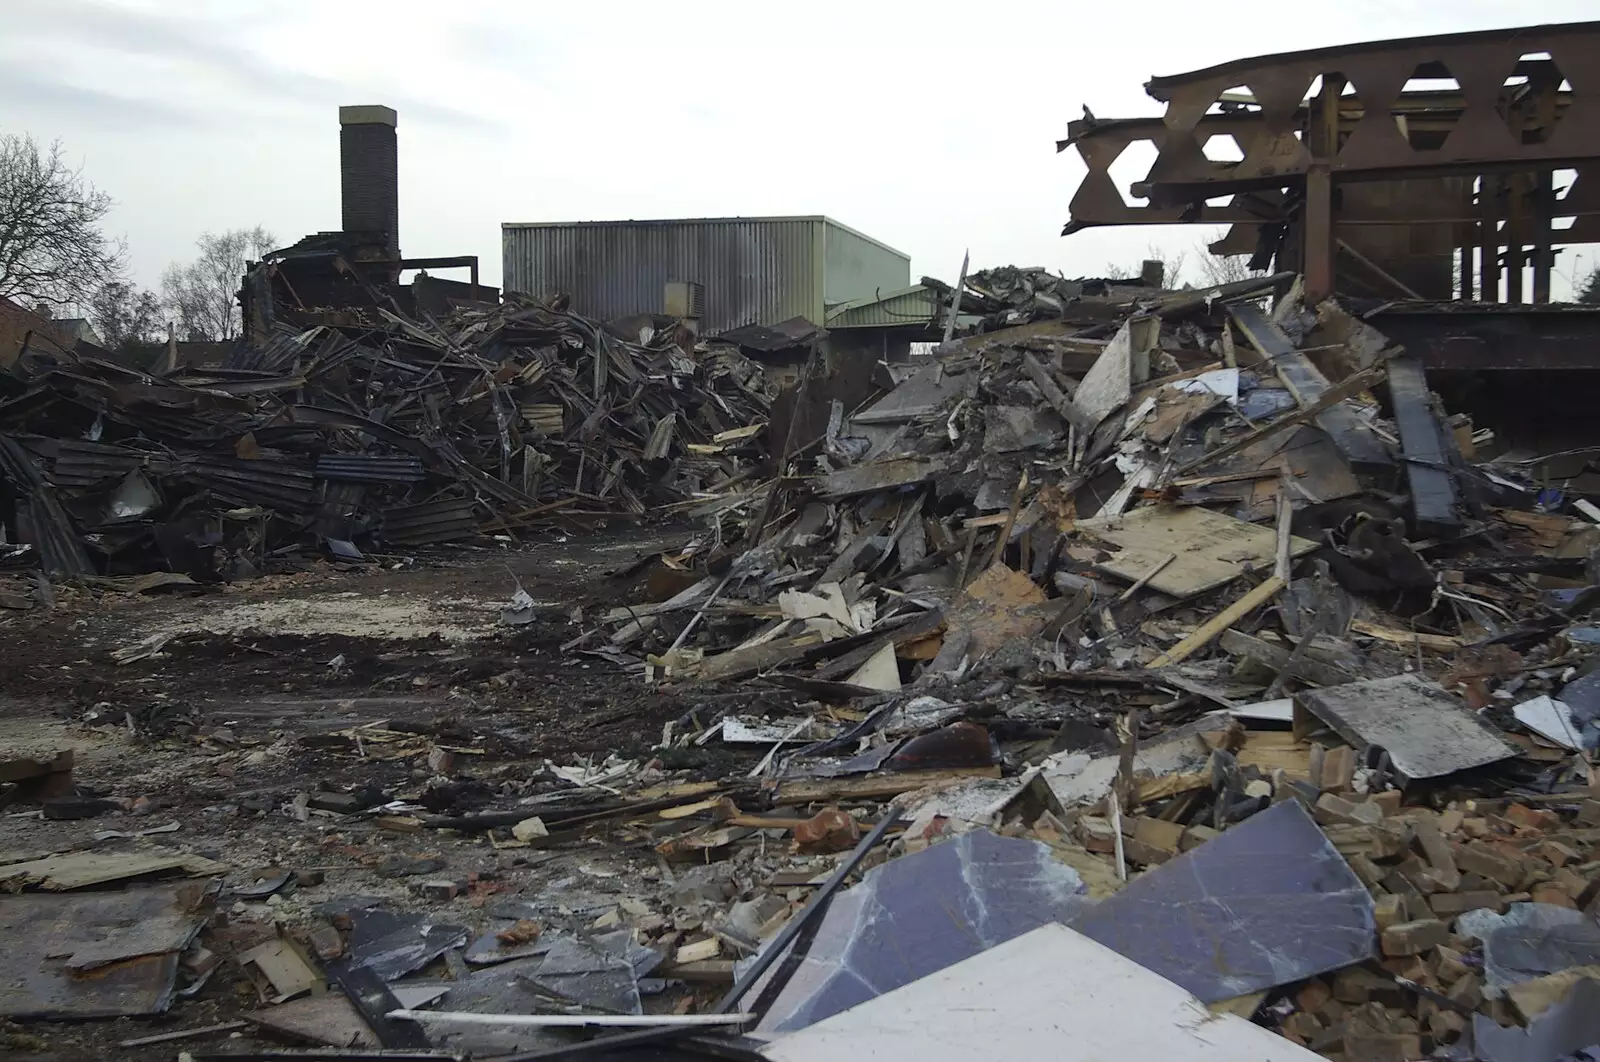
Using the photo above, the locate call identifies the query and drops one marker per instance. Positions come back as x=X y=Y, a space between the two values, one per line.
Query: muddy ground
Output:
x=231 y=720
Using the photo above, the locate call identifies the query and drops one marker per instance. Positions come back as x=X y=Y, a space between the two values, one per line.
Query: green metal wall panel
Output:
x=857 y=266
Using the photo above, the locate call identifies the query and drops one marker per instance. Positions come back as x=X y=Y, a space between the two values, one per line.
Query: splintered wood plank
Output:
x=1269 y=750
x=1208 y=549
x=1433 y=643
x=880 y=475
x=1354 y=437
x=78 y=870
x=1214 y=626
x=874 y=786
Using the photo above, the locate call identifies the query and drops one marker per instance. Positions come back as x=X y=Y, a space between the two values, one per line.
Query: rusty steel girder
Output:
x=1502 y=101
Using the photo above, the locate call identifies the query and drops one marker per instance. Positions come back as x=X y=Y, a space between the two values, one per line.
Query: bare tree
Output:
x=1589 y=290
x=1172 y=266
x=1216 y=270
x=203 y=295
x=127 y=319
x=52 y=249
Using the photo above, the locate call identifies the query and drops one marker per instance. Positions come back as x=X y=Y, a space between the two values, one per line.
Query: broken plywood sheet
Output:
x=1049 y=993
x=1426 y=732
x=137 y=934
x=1550 y=719
x=328 y=1020
x=1208 y=549
x=280 y=970
x=827 y=601
x=1314 y=464
x=1174 y=408
x=880 y=475
x=999 y=606
x=78 y=870
x=1124 y=362
x=880 y=672
x=331 y=1020
x=1319 y=472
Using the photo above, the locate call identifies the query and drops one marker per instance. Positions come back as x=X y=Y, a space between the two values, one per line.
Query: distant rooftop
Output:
x=665 y=222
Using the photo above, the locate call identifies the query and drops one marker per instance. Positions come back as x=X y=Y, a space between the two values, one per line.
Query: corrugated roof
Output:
x=907 y=307
x=437 y=521
x=795 y=332
x=41 y=520
x=369 y=468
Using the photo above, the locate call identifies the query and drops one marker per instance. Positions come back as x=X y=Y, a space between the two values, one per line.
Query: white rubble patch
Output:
x=397 y=617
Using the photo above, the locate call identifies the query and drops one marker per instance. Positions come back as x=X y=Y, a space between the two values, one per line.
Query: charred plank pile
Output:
x=385 y=436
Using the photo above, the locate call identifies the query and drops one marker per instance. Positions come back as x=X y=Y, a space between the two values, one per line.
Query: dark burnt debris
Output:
x=384 y=433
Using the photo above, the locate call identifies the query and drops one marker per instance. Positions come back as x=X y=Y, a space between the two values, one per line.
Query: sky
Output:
x=930 y=126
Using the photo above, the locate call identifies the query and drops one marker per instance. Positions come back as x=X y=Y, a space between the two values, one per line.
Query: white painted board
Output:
x=1050 y=994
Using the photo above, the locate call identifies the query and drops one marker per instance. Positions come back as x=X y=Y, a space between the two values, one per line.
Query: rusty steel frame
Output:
x=1514 y=117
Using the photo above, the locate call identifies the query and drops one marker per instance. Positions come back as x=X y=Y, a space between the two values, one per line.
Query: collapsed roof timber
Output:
x=396 y=434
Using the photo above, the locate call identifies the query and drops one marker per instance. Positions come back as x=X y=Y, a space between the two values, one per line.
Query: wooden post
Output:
x=169 y=356
x=1544 y=194
x=1317 y=238
x=1489 y=239
x=955 y=298
x=1516 y=186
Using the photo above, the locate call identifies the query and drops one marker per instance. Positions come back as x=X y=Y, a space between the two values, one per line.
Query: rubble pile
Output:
x=1008 y=296
x=991 y=494
x=1120 y=595
x=381 y=436
x=1187 y=681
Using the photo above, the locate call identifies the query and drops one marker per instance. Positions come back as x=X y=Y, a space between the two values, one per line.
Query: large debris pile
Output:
x=1162 y=690
x=1093 y=491
x=387 y=436
x=1131 y=595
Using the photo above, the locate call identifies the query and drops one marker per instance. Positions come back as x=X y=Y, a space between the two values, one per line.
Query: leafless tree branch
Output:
x=52 y=249
x=202 y=296
x=125 y=318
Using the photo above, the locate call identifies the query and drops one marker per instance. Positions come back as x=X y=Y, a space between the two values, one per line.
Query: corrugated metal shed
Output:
x=911 y=306
x=754 y=270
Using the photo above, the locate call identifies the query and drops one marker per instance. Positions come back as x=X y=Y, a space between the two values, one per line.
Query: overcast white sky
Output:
x=930 y=126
